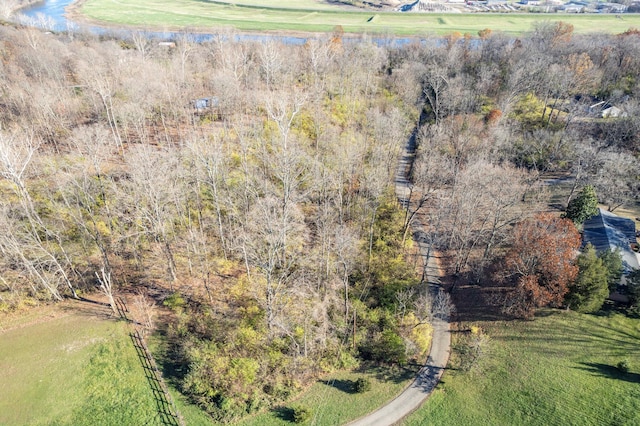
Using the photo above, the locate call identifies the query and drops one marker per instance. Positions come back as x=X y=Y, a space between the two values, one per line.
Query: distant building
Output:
x=604 y=109
x=612 y=112
x=573 y=7
x=611 y=8
x=203 y=104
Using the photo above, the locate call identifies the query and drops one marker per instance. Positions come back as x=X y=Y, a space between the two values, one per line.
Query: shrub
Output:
x=301 y=413
x=362 y=385
x=387 y=347
x=175 y=302
x=623 y=366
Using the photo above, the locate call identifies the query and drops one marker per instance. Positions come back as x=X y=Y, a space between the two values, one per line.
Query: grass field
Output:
x=59 y=366
x=309 y=16
x=557 y=370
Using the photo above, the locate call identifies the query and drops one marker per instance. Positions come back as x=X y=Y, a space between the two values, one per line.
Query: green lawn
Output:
x=309 y=16
x=62 y=367
x=556 y=370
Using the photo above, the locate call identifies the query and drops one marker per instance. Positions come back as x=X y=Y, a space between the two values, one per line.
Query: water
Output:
x=48 y=14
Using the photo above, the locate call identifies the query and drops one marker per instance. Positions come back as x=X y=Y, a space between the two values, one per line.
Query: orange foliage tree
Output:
x=540 y=263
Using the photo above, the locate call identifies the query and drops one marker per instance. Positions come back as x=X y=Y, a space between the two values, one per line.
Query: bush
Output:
x=387 y=347
x=301 y=413
x=175 y=302
x=623 y=366
x=362 y=385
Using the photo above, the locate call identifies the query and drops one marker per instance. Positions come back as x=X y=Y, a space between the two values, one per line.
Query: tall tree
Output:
x=612 y=260
x=584 y=206
x=540 y=263
x=590 y=289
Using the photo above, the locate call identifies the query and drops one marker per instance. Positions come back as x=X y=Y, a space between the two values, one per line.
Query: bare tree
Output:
x=145 y=310
x=273 y=247
x=616 y=182
x=151 y=196
x=44 y=250
x=106 y=286
x=212 y=158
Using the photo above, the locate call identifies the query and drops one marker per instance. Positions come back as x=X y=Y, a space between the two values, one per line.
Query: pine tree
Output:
x=590 y=289
x=612 y=260
x=584 y=206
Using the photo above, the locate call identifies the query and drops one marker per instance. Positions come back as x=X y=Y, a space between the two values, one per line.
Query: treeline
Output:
x=250 y=186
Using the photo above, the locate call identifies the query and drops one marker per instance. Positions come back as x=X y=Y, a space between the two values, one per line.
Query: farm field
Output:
x=558 y=369
x=319 y=17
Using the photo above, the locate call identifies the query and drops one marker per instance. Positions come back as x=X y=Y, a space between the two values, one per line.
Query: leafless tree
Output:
x=43 y=250
x=106 y=286
x=616 y=183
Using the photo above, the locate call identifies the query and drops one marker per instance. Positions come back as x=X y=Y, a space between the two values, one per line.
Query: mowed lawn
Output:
x=309 y=16
x=556 y=370
x=59 y=366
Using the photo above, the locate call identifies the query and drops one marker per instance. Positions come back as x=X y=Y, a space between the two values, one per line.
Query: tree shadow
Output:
x=609 y=371
x=284 y=413
x=346 y=386
x=90 y=308
x=475 y=302
x=395 y=374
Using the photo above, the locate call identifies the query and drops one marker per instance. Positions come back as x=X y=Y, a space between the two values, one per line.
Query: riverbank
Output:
x=10 y=7
x=17 y=5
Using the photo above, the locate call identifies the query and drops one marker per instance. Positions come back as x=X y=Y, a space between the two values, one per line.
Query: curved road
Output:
x=430 y=374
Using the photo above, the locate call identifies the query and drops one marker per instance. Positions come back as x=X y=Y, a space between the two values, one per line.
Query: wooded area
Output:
x=250 y=186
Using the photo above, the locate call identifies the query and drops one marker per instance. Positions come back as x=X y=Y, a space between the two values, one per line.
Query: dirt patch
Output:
x=91 y=307
x=79 y=344
x=29 y=316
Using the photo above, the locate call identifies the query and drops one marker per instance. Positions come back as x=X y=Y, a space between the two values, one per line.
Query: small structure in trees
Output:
x=205 y=104
x=607 y=231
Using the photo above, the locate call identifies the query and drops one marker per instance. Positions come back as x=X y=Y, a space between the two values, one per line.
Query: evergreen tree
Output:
x=590 y=289
x=612 y=260
x=633 y=285
x=584 y=206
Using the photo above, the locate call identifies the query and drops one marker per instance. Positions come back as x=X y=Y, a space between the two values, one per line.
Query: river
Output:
x=49 y=12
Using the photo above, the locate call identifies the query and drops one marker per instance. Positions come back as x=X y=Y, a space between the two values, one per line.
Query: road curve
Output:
x=429 y=376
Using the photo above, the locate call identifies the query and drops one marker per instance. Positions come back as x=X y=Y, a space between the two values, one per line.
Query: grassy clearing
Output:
x=308 y=16
x=559 y=369
x=62 y=367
